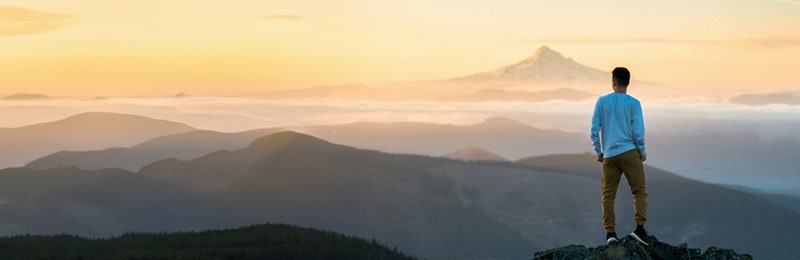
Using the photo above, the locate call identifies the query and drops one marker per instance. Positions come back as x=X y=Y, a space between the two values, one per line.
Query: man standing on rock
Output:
x=618 y=138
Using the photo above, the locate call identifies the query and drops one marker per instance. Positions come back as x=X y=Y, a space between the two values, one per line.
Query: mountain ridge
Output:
x=85 y=131
x=442 y=138
x=474 y=154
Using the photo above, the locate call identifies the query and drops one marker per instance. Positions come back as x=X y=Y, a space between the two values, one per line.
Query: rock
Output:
x=629 y=249
x=567 y=252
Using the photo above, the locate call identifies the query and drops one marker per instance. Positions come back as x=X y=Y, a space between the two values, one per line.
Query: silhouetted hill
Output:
x=101 y=203
x=298 y=179
x=182 y=146
x=629 y=249
x=25 y=96
x=474 y=154
x=788 y=201
x=80 y=132
x=506 y=137
x=266 y=241
x=730 y=158
x=430 y=207
x=215 y=171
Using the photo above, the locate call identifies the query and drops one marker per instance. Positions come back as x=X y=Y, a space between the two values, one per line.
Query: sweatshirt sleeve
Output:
x=638 y=129
x=595 y=131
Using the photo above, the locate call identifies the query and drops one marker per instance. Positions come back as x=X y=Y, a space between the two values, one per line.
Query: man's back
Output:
x=618 y=120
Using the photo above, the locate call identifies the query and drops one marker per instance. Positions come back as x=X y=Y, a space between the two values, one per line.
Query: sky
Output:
x=140 y=48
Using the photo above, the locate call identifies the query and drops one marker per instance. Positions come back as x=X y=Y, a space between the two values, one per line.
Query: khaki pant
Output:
x=630 y=164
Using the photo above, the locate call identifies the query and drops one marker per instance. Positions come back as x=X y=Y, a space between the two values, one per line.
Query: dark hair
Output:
x=621 y=76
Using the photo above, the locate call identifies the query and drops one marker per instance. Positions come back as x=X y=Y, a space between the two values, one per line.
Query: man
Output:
x=618 y=138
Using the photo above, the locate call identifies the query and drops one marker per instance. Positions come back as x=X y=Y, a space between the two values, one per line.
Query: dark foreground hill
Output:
x=632 y=250
x=267 y=241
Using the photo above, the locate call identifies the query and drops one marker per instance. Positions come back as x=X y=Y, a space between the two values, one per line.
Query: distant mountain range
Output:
x=784 y=98
x=428 y=206
x=544 y=76
x=85 y=131
x=181 y=146
x=709 y=156
x=25 y=96
x=518 y=140
x=506 y=137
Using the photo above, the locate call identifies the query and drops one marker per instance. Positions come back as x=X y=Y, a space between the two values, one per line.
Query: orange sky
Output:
x=100 y=48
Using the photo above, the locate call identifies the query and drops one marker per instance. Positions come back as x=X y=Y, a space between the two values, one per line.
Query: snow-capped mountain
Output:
x=544 y=65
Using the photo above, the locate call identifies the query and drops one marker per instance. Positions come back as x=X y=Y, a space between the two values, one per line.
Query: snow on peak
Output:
x=545 y=64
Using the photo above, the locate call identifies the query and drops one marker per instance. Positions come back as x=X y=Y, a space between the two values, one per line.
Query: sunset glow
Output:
x=101 y=48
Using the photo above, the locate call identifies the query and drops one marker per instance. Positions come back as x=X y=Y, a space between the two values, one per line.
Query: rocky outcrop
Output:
x=629 y=249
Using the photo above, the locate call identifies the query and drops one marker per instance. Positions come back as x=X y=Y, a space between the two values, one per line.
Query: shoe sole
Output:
x=612 y=241
x=639 y=239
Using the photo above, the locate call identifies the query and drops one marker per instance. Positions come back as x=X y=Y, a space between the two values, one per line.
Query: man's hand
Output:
x=600 y=158
x=644 y=158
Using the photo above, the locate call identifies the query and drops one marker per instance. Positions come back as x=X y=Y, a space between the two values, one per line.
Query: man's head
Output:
x=621 y=77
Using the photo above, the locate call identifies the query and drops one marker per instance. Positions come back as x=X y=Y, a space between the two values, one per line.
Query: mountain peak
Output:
x=545 y=54
x=544 y=48
x=283 y=139
x=546 y=65
x=104 y=115
x=25 y=96
x=115 y=121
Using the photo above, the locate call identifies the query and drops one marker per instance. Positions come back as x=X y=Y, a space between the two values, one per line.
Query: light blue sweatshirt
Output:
x=618 y=120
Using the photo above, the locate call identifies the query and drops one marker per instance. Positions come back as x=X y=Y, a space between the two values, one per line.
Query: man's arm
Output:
x=638 y=131
x=595 y=131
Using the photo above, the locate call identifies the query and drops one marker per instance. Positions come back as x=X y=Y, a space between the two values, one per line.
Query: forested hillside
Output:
x=267 y=241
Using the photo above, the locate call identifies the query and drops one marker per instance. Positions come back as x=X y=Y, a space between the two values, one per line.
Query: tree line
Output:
x=265 y=241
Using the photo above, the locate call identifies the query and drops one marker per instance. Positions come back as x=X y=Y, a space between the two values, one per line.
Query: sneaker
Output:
x=640 y=235
x=611 y=238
